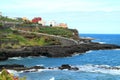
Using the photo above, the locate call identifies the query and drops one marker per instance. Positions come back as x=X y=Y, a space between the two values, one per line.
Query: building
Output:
x=42 y=22
x=0 y=14
x=25 y=19
x=53 y=23
x=36 y=19
x=63 y=25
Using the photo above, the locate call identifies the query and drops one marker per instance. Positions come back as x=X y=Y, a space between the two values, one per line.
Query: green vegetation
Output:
x=5 y=75
x=7 y=19
x=56 y=31
x=6 y=31
x=12 y=39
x=1 y=25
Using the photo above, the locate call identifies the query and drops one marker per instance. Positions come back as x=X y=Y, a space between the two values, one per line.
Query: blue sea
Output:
x=93 y=65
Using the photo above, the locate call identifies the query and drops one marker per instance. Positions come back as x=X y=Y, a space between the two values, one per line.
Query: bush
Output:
x=1 y=24
x=57 y=31
x=5 y=75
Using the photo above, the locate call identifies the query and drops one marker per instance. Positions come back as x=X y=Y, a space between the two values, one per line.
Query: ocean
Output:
x=93 y=65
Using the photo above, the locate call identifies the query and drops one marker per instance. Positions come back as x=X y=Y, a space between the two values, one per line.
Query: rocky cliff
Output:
x=54 y=51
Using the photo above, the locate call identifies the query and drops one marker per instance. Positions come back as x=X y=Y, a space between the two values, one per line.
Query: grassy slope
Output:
x=32 y=39
x=6 y=34
x=56 y=31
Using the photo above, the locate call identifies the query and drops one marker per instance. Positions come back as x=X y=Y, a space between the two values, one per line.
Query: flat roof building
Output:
x=0 y=14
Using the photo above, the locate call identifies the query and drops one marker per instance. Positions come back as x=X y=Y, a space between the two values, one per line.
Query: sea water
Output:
x=93 y=65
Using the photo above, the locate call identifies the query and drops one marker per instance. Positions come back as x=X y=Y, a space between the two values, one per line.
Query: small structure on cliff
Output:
x=0 y=14
x=36 y=19
x=63 y=25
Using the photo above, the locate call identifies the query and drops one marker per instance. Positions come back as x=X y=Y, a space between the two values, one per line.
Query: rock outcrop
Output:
x=54 y=51
x=18 y=67
x=25 y=69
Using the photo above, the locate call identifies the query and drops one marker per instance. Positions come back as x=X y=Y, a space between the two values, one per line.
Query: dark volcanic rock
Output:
x=3 y=56
x=38 y=67
x=13 y=66
x=54 y=51
x=66 y=66
x=18 y=67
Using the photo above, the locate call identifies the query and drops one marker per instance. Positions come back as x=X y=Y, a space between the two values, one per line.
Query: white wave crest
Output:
x=13 y=72
x=117 y=49
x=17 y=58
x=52 y=78
x=106 y=69
x=102 y=42
x=89 y=51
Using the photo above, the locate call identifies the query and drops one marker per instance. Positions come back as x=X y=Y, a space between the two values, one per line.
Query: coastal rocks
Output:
x=54 y=51
x=18 y=67
x=22 y=68
x=13 y=66
x=3 y=57
x=68 y=67
x=65 y=66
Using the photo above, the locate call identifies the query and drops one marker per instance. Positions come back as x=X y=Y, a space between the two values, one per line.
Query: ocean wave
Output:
x=117 y=49
x=106 y=69
x=89 y=51
x=102 y=42
x=13 y=72
x=17 y=58
x=53 y=78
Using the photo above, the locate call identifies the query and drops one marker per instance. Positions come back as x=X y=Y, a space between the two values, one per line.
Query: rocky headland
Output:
x=45 y=41
x=53 y=51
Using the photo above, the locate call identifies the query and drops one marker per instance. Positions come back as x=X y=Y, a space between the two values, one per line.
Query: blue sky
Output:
x=88 y=16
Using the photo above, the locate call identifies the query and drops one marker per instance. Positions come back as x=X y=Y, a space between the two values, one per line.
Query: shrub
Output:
x=57 y=31
x=5 y=75
x=1 y=25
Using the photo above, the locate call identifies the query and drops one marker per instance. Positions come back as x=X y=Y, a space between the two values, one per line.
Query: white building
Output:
x=53 y=23
x=42 y=22
x=0 y=14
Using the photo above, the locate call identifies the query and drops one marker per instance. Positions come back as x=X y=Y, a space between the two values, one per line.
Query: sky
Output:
x=88 y=16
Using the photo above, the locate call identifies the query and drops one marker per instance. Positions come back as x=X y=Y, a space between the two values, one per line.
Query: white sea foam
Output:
x=102 y=42
x=106 y=69
x=13 y=72
x=116 y=49
x=40 y=70
x=89 y=51
x=53 y=78
x=17 y=58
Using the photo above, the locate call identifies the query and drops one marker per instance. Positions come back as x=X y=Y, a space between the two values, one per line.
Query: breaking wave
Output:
x=106 y=69
x=17 y=58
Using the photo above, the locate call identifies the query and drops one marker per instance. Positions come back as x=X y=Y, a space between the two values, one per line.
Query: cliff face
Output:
x=28 y=45
x=75 y=34
x=54 y=51
x=74 y=38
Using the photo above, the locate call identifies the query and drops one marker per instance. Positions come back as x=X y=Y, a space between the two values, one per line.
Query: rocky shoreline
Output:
x=54 y=51
x=22 y=68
